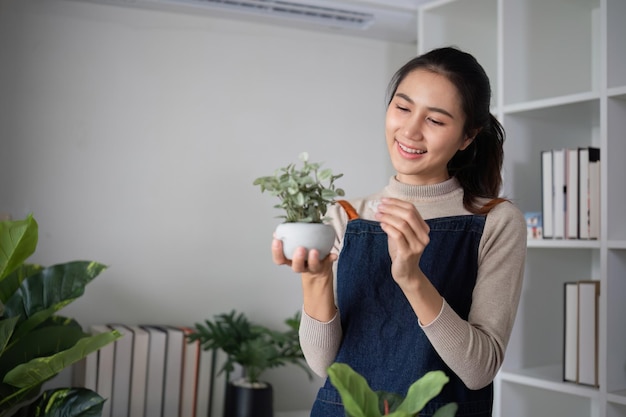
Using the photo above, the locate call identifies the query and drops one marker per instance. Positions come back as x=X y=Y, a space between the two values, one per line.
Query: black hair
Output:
x=477 y=167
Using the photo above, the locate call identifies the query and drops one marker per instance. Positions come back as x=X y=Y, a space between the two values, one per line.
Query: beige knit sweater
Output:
x=473 y=349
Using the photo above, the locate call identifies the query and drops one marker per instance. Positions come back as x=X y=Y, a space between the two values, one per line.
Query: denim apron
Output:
x=382 y=339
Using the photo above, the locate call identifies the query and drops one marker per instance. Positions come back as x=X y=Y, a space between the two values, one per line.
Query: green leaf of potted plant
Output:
x=255 y=348
x=35 y=343
x=360 y=401
x=305 y=193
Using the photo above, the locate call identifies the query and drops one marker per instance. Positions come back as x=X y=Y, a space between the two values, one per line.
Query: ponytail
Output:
x=478 y=167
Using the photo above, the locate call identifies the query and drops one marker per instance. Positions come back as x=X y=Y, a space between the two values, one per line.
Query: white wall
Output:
x=134 y=136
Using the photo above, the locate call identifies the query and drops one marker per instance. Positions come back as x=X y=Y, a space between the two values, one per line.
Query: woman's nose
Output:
x=413 y=128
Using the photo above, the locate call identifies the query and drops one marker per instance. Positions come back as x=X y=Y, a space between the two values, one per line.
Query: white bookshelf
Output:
x=558 y=73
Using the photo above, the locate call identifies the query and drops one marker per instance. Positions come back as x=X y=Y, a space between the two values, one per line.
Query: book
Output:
x=588 y=292
x=104 y=379
x=139 y=371
x=534 y=228
x=122 y=363
x=204 y=389
x=547 y=194
x=173 y=370
x=570 y=332
x=594 y=194
x=558 y=184
x=220 y=383
x=588 y=192
x=571 y=193
x=189 y=379
x=156 y=371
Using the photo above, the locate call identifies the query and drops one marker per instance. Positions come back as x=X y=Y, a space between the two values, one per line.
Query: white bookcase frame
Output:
x=558 y=74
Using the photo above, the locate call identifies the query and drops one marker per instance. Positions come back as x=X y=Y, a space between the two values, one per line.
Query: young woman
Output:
x=429 y=271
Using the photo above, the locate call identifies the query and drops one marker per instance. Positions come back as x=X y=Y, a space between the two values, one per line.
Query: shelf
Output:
x=564 y=244
x=616 y=244
x=617 y=92
x=618 y=397
x=563 y=33
x=561 y=84
x=548 y=377
x=531 y=395
x=551 y=102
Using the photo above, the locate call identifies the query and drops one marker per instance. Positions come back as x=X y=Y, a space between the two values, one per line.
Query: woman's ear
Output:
x=469 y=139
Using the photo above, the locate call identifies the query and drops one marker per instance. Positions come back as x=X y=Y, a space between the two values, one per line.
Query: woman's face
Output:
x=424 y=127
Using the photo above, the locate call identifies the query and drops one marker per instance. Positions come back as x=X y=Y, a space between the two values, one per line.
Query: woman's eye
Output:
x=436 y=122
x=401 y=108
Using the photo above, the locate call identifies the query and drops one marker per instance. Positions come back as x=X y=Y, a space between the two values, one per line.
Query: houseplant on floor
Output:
x=360 y=401
x=255 y=348
x=305 y=193
x=36 y=343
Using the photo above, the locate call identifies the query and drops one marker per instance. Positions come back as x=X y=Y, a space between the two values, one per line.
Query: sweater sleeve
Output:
x=319 y=342
x=474 y=349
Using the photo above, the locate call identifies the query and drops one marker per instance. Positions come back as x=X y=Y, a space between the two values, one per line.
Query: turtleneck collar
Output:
x=420 y=192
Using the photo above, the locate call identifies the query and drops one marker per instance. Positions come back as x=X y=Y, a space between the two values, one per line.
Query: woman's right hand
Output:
x=302 y=262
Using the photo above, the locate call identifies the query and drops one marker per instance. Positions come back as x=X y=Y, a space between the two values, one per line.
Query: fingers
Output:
x=402 y=216
x=302 y=260
x=277 y=253
x=403 y=224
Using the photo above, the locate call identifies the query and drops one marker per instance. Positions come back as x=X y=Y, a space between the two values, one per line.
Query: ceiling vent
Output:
x=379 y=20
x=329 y=16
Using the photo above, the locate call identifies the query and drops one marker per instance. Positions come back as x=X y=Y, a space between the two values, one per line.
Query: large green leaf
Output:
x=37 y=370
x=18 y=240
x=422 y=391
x=65 y=402
x=448 y=410
x=358 y=398
x=43 y=341
x=51 y=288
x=13 y=280
x=6 y=330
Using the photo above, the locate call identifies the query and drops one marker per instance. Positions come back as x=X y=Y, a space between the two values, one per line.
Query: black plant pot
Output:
x=246 y=401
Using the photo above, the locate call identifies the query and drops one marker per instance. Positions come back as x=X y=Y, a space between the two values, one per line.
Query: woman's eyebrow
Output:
x=435 y=109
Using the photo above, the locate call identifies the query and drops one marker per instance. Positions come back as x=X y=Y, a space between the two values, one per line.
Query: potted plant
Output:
x=255 y=348
x=36 y=343
x=305 y=193
x=360 y=401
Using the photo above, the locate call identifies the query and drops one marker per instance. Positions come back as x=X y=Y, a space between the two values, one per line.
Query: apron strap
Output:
x=491 y=204
x=350 y=211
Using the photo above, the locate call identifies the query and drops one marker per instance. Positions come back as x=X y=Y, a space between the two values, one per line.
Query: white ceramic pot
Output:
x=309 y=235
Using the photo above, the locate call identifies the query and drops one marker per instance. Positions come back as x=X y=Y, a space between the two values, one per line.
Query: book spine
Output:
x=547 y=188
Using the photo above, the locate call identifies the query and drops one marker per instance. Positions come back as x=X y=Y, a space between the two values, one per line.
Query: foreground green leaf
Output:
x=448 y=410
x=360 y=401
x=423 y=390
x=18 y=240
x=42 y=369
x=41 y=342
x=358 y=398
x=49 y=291
x=6 y=330
x=65 y=402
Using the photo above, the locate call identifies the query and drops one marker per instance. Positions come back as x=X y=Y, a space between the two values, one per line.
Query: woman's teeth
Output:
x=410 y=150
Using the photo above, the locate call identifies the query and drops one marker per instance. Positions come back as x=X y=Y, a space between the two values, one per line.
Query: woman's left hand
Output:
x=407 y=234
